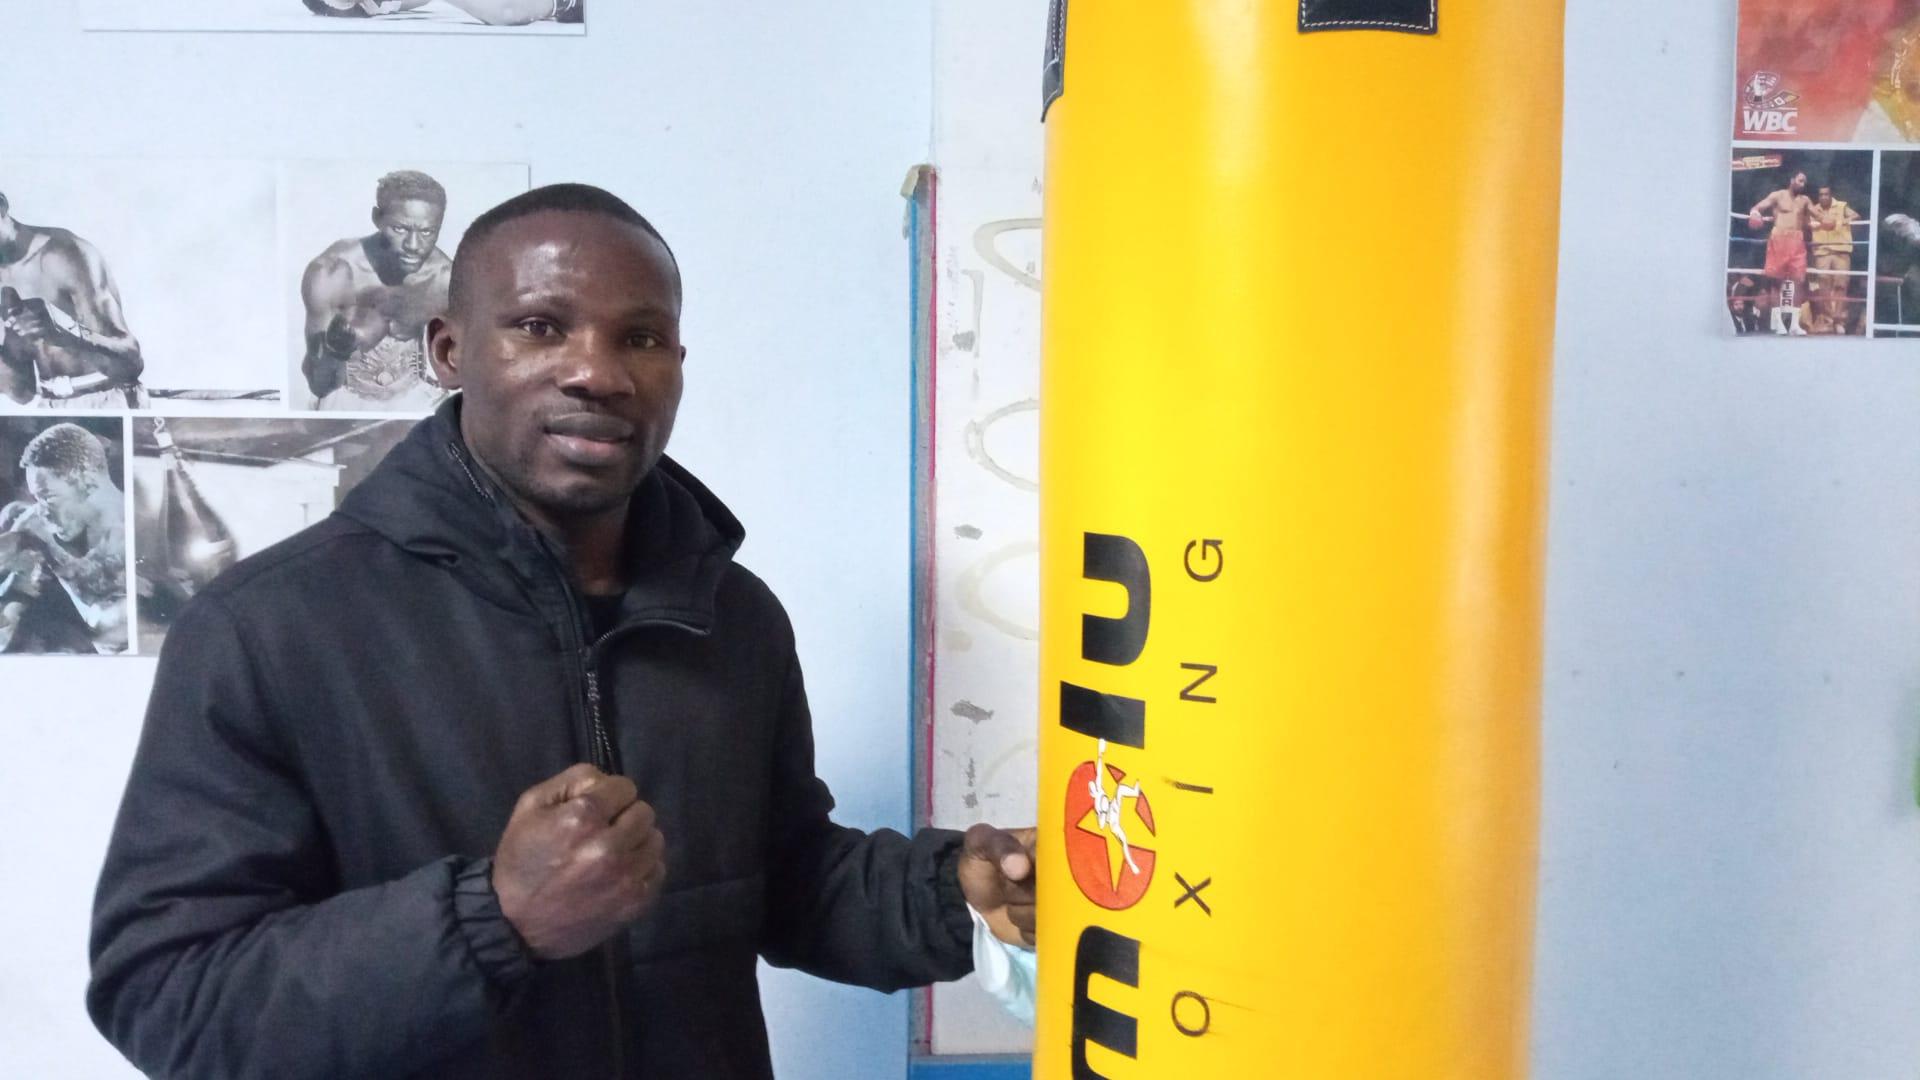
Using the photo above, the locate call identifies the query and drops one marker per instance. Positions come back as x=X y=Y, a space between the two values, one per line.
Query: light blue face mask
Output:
x=1005 y=971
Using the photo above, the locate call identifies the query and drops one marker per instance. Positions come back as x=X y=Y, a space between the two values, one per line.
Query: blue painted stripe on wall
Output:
x=970 y=1068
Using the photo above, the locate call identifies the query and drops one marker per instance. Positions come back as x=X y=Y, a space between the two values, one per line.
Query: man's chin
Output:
x=586 y=497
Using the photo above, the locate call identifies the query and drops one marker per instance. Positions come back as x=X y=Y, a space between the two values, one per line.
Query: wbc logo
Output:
x=1765 y=109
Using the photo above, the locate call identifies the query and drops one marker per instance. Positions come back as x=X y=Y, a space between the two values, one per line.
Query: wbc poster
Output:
x=1824 y=209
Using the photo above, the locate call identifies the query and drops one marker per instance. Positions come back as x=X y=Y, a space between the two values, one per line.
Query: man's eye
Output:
x=645 y=340
x=537 y=328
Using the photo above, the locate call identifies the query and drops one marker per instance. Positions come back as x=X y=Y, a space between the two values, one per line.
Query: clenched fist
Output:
x=580 y=859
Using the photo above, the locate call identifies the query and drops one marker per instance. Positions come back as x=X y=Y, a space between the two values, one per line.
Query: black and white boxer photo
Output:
x=490 y=12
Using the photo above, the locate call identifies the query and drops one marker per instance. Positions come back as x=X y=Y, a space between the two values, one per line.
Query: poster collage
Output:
x=1824 y=223
x=199 y=358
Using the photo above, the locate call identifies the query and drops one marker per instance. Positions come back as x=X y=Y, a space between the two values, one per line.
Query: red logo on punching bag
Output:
x=1108 y=822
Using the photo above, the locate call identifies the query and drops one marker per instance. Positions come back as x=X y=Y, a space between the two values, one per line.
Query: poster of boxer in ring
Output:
x=366 y=250
x=129 y=284
x=364 y=16
x=1818 y=240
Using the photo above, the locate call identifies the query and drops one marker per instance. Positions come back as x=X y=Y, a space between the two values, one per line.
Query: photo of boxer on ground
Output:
x=1897 y=286
x=1798 y=225
x=208 y=491
x=483 y=17
x=490 y=12
x=368 y=299
x=64 y=342
x=63 y=565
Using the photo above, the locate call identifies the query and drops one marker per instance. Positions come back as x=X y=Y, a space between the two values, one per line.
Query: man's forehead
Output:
x=553 y=246
x=412 y=208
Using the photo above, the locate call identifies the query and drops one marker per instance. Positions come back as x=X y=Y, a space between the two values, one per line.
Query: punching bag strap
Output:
x=1408 y=16
x=1053 y=76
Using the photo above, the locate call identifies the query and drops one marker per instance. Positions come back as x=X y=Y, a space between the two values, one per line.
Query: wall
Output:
x=1732 y=849
x=768 y=141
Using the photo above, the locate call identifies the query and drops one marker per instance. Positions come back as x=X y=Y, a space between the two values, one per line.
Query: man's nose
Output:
x=591 y=368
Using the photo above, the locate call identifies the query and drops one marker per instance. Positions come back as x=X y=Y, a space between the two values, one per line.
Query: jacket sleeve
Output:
x=875 y=909
x=221 y=945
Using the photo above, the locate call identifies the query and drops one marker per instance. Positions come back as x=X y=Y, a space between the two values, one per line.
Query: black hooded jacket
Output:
x=298 y=882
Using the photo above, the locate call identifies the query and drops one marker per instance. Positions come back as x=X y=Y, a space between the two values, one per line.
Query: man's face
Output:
x=1826 y=197
x=65 y=500
x=566 y=348
x=1799 y=184
x=409 y=228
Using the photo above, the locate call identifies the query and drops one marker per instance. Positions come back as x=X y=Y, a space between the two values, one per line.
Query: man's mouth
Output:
x=590 y=439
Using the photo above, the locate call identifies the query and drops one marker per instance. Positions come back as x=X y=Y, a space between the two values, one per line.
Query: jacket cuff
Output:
x=955 y=916
x=494 y=943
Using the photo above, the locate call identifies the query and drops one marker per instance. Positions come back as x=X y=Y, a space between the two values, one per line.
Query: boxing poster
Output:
x=1824 y=213
x=366 y=250
x=133 y=284
x=63 y=536
x=361 y=16
x=210 y=491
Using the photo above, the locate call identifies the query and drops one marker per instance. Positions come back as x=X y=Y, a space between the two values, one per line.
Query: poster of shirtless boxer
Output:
x=210 y=491
x=135 y=284
x=1799 y=243
x=362 y=16
x=63 y=536
x=366 y=254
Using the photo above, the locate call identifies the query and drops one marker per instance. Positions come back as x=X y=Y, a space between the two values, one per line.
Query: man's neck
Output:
x=595 y=548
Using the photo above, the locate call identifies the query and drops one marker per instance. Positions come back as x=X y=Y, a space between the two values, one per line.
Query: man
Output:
x=73 y=535
x=1832 y=257
x=368 y=300
x=64 y=342
x=1743 y=303
x=1790 y=211
x=524 y=634
x=491 y=12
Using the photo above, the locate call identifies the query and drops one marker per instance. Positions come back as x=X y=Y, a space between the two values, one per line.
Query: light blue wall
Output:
x=1731 y=878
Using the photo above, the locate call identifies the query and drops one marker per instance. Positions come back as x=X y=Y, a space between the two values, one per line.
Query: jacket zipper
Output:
x=596 y=722
x=601 y=747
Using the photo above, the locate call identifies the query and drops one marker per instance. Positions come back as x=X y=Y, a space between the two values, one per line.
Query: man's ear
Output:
x=443 y=351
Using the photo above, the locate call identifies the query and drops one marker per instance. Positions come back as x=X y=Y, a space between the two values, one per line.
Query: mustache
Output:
x=590 y=425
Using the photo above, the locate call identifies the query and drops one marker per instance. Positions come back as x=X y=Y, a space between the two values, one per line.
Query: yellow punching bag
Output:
x=1299 y=277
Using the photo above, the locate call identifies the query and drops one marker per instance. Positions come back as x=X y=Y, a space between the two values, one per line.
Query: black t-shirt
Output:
x=604 y=611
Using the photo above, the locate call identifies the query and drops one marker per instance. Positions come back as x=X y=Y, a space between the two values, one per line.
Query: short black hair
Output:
x=67 y=449
x=408 y=184
x=561 y=198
